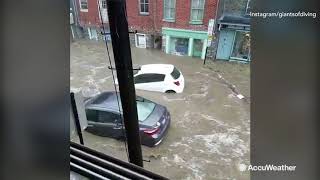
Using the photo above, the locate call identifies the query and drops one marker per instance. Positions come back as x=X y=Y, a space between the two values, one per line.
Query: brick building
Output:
x=177 y=26
x=89 y=17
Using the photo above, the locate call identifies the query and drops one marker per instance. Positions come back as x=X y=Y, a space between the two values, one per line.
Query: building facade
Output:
x=234 y=31
x=91 y=14
x=75 y=28
x=177 y=27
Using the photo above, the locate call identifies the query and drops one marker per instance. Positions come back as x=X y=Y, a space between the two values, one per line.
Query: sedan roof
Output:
x=105 y=100
x=157 y=68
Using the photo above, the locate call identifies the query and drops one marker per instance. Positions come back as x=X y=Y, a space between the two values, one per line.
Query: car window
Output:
x=107 y=117
x=175 y=73
x=144 y=108
x=135 y=71
x=92 y=115
x=147 y=78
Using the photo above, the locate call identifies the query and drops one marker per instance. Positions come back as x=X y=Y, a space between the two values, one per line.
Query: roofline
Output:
x=236 y=24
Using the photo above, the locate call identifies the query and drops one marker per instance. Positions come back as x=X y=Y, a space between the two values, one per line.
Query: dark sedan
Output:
x=104 y=118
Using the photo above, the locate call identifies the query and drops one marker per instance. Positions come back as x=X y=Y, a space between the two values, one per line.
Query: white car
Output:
x=159 y=77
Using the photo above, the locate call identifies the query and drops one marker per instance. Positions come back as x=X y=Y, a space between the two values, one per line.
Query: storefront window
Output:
x=180 y=46
x=241 y=48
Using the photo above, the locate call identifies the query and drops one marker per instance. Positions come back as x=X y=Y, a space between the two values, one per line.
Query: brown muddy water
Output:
x=209 y=137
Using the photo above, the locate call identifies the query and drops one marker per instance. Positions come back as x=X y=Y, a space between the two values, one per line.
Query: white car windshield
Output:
x=144 y=108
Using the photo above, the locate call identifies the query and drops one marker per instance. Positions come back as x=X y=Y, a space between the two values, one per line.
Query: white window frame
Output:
x=197 y=9
x=137 y=40
x=143 y=2
x=104 y=4
x=81 y=8
x=167 y=7
x=247 y=6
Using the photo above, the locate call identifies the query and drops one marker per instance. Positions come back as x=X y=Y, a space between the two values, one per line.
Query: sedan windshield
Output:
x=144 y=108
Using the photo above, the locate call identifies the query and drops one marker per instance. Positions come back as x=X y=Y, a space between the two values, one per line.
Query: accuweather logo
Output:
x=267 y=167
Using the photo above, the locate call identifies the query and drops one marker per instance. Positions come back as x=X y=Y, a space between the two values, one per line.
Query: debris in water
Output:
x=240 y=96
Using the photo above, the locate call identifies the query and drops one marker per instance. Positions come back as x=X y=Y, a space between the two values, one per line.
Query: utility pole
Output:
x=122 y=56
x=76 y=118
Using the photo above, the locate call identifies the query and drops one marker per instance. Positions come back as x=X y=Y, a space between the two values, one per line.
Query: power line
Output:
x=113 y=79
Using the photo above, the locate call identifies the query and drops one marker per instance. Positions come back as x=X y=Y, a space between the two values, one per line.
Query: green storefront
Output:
x=184 y=42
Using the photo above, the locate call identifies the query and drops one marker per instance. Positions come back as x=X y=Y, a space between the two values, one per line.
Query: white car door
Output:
x=150 y=82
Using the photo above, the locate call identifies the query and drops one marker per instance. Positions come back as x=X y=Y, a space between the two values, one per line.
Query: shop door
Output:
x=141 y=41
x=197 y=47
x=225 y=44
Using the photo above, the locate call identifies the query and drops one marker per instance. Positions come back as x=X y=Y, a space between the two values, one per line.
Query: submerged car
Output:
x=159 y=77
x=104 y=118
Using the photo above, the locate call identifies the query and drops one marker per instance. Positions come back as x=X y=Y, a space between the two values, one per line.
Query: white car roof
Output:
x=157 y=68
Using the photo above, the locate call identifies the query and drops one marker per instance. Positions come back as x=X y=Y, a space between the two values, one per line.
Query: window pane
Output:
x=202 y=3
x=92 y=115
x=175 y=73
x=84 y=5
x=172 y=3
x=166 y=13
x=241 y=48
x=146 y=8
x=142 y=8
x=169 y=9
x=173 y=13
x=200 y=16
x=104 y=4
x=146 y=1
x=108 y=117
x=147 y=78
x=194 y=15
x=143 y=78
x=194 y=3
x=157 y=77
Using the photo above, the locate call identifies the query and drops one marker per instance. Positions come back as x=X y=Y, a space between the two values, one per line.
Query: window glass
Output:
x=144 y=6
x=147 y=78
x=197 y=10
x=83 y=4
x=107 y=117
x=104 y=4
x=144 y=108
x=92 y=115
x=175 y=73
x=169 y=7
x=241 y=47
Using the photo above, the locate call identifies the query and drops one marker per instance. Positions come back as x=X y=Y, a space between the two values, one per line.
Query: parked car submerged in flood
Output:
x=159 y=77
x=104 y=118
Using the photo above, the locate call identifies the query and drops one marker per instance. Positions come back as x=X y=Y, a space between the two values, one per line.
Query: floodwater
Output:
x=209 y=137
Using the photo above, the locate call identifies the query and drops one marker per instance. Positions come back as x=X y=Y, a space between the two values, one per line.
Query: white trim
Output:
x=84 y=10
x=72 y=32
x=204 y=47
x=137 y=39
x=167 y=44
x=89 y=32
x=247 y=6
x=81 y=9
x=169 y=19
x=190 y=47
x=144 y=13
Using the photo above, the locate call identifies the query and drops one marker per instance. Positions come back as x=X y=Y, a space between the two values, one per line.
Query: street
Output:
x=209 y=136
